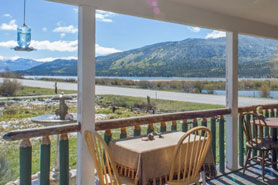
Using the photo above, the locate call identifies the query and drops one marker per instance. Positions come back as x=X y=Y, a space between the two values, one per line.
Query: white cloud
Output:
x=9 y=26
x=194 y=29
x=61 y=46
x=9 y=58
x=7 y=15
x=104 y=16
x=66 y=29
x=62 y=35
x=215 y=34
x=75 y=10
x=8 y=44
x=100 y=50
x=49 y=59
x=44 y=29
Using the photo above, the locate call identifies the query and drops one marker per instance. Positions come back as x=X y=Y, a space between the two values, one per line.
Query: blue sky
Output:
x=54 y=30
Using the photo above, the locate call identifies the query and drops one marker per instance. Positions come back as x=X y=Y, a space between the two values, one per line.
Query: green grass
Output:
x=36 y=91
x=163 y=105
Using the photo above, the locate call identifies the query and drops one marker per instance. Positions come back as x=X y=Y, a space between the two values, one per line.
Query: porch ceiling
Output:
x=252 y=17
x=265 y=11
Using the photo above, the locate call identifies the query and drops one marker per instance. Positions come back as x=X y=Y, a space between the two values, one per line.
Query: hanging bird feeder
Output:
x=24 y=36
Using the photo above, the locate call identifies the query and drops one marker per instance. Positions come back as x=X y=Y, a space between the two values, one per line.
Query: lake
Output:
x=147 y=78
x=134 y=78
x=252 y=93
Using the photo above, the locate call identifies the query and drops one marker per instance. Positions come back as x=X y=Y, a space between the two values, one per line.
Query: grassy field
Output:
x=17 y=117
x=36 y=91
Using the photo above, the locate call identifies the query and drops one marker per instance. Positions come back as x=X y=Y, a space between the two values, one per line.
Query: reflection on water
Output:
x=272 y=94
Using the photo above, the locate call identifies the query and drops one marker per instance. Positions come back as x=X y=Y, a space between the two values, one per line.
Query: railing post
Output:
x=123 y=133
x=213 y=132
x=25 y=162
x=221 y=145
x=150 y=128
x=241 y=142
x=195 y=122
x=184 y=125
x=174 y=125
x=107 y=136
x=64 y=159
x=163 y=127
x=232 y=100
x=267 y=116
x=45 y=161
x=274 y=136
x=137 y=130
x=204 y=122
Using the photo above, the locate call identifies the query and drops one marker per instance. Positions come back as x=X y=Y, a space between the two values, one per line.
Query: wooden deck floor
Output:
x=251 y=176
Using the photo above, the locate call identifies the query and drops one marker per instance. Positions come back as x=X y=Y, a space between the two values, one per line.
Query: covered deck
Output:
x=252 y=17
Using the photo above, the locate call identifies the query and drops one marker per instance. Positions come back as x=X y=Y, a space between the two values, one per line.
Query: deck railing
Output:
x=130 y=127
x=25 y=152
x=269 y=110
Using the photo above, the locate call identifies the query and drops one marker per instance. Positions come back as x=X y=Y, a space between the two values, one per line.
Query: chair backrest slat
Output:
x=189 y=155
x=258 y=125
x=100 y=153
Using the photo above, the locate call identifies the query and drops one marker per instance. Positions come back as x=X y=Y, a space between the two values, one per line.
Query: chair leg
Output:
x=203 y=174
x=247 y=159
x=262 y=164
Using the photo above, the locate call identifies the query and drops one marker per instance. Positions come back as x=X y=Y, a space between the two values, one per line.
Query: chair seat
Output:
x=263 y=144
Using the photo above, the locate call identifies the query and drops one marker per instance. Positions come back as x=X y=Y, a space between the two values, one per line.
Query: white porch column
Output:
x=232 y=100
x=86 y=91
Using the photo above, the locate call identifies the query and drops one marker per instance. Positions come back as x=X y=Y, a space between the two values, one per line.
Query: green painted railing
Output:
x=45 y=162
x=132 y=127
x=25 y=156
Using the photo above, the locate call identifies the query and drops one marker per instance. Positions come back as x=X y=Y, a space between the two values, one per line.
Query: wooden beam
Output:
x=44 y=131
x=232 y=100
x=132 y=121
x=175 y=12
x=253 y=107
x=86 y=91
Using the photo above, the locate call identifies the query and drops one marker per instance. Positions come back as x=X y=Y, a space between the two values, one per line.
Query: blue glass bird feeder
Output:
x=24 y=36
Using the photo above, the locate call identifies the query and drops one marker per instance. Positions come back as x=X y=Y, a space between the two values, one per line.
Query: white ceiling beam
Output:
x=182 y=14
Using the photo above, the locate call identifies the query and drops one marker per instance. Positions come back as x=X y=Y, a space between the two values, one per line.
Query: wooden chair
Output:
x=257 y=138
x=188 y=158
x=101 y=155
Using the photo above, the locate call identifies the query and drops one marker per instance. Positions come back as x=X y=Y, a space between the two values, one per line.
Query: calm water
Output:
x=134 y=78
x=273 y=94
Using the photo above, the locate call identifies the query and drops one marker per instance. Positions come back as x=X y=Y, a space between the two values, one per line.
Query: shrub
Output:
x=265 y=90
x=9 y=87
x=209 y=88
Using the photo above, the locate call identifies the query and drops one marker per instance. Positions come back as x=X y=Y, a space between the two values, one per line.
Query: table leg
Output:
x=274 y=153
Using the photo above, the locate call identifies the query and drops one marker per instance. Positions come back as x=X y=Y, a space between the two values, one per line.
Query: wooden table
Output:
x=149 y=161
x=272 y=123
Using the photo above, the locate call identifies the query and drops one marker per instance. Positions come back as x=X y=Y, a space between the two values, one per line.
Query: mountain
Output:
x=18 y=64
x=186 y=58
x=56 y=67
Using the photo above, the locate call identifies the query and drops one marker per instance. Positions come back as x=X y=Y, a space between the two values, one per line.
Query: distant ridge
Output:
x=18 y=64
x=186 y=58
